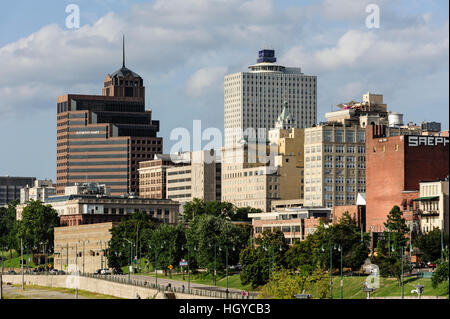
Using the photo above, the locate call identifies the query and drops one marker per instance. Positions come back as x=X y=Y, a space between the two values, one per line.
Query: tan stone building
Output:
x=201 y=178
x=83 y=246
x=254 y=174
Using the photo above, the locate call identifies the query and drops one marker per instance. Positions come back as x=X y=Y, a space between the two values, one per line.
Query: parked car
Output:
x=431 y=265
x=105 y=271
x=117 y=271
x=12 y=272
x=53 y=271
x=98 y=271
x=61 y=272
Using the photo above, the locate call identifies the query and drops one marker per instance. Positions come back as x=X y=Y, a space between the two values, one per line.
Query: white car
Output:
x=105 y=271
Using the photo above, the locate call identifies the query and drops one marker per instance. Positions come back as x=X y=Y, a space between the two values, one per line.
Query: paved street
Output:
x=178 y=284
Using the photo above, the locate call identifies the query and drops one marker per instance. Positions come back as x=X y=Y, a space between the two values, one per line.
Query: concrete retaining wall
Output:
x=103 y=287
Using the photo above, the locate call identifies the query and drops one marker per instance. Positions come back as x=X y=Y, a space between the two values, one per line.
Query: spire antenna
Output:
x=123 y=51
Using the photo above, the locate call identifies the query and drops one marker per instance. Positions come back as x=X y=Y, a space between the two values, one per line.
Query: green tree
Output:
x=430 y=245
x=166 y=242
x=137 y=229
x=208 y=236
x=285 y=285
x=258 y=263
x=397 y=227
x=345 y=234
x=299 y=255
x=37 y=225
x=8 y=224
x=198 y=207
x=441 y=274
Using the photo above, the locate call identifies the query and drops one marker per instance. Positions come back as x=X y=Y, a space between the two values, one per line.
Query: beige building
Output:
x=201 y=178
x=433 y=205
x=153 y=174
x=335 y=161
x=82 y=247
x=254 y=174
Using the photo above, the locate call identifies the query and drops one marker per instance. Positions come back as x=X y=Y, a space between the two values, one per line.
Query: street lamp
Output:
x=340 y=249
x=129 y=268
x=401 y=256
x=331 y=269
x=189 y=266
x=156 y=262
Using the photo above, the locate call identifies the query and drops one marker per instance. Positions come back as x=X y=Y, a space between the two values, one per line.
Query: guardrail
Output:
x=123 y=279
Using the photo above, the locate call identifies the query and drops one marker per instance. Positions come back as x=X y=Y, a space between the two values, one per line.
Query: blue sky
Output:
x=183 y=48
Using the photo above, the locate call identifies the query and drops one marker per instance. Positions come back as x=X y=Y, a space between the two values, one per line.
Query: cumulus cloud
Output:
x=205 y=80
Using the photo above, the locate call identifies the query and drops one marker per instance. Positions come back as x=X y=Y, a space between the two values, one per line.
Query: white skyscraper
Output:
x=256 y=98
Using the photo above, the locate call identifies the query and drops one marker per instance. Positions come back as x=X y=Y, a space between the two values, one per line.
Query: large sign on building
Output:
x=414 y=141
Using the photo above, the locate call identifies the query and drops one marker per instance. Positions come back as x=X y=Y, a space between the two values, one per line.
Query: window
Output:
x=361 y=136
x=350 y=137
x=328 y=148
x=327 y=136
x=339 y=148
x=339 y=136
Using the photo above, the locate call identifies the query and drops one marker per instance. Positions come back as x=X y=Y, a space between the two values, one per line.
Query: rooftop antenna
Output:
x=123 y=51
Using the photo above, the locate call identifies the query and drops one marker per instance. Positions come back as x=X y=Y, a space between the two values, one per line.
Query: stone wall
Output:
x=94 y=285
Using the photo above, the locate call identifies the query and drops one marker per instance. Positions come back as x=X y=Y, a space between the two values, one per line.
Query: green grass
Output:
x=83 y=293
x=15 y=262
x=389 y=287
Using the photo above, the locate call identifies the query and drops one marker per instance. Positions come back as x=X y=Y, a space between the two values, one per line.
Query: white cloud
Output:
x=205 y=80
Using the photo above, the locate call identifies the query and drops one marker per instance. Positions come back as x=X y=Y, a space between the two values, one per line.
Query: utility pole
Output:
x=402 y=274
x=21 y=261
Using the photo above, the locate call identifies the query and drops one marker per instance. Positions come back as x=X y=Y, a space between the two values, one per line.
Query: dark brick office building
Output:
x=395 y=166
x=102 y=138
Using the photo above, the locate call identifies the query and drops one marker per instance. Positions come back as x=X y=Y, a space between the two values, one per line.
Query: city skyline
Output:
x=406 y=60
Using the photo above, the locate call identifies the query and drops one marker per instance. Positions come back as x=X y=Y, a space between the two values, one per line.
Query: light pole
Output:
x=131 y=252
x=442 y=241
x=189 y=265
x=156 y=261
x=340 y=249
x=331 y=269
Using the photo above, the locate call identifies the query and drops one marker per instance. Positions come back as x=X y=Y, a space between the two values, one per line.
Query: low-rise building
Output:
x=83 y=247
x=296 y=223
x=40 y=191
x=433 y=205
x=90 y=205
x=153 y=174
x=395 y=167
x=201 y=178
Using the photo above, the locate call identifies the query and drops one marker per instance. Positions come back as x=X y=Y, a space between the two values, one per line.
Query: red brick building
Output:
x=395 y=166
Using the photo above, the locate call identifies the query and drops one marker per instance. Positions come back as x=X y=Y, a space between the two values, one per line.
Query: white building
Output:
x=433 y=205
x=256 y=98
x=41 y=190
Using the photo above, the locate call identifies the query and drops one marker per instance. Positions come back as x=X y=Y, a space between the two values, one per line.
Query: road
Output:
x=179 y=284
